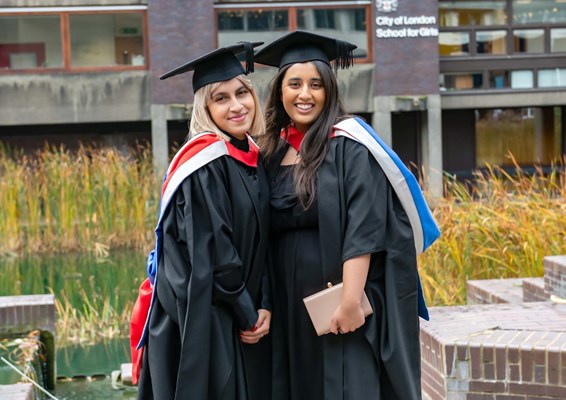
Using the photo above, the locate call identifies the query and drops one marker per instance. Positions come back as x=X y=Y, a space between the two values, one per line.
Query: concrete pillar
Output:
x=432 y=146
x=159 y=140
x=381 y=120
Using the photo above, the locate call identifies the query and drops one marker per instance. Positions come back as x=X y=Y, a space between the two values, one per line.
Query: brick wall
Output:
x=555 y=276
x=495 y=352
x=179 y=31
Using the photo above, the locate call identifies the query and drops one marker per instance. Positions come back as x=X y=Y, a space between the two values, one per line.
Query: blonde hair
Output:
x=201 y=120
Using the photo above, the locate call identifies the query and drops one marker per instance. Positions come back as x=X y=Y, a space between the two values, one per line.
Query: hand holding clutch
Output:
x=321 y=305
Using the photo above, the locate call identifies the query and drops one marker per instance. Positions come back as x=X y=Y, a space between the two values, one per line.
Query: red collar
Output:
x=293 y=136
x=249 y=158
x=194 y=146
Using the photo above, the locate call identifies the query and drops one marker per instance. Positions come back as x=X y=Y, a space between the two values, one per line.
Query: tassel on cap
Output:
x=249 y=56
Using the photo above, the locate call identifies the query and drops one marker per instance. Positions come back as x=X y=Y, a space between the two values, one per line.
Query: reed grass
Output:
x=91 y=199
x=502 y=226
x=99 y=318
x=96 y=200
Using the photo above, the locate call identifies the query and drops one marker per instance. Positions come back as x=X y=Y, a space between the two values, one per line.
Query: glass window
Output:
x=539 y=11
x=231 y=21
x=528 y=40
x=470 y=13
x=346 y=23
x=552 y=77
x=107 y=40
x=558 y=40
x=30 y=42
x=251 y=26
x=454 y=43
x=461 y=81
x=498 y=79
x=491 y=42
x=531 y=135
x=522 y=79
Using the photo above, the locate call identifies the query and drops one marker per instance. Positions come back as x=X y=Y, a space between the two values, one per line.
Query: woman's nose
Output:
x=235 y=104
x=305 y=92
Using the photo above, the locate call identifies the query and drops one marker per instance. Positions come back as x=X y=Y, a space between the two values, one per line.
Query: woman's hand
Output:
x=259 y=330
x=347 y=318
x=349 y=315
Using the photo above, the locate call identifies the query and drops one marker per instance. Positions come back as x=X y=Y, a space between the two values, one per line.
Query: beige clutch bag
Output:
x=322 y=305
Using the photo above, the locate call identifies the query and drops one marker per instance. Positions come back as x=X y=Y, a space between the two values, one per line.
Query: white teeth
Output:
x=304 y=106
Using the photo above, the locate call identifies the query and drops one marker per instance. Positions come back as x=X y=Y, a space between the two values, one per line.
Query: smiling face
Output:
x=231 y=107
x=303 y=94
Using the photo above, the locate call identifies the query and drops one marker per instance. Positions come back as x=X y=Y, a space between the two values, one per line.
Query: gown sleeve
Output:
x=365 y=188
x=199 y=246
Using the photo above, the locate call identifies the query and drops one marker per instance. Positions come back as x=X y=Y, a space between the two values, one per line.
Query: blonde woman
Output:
x=204 y=336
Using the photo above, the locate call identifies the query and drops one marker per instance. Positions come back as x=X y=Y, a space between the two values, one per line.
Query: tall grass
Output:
x=92 y=199
x=98 y=199
x=500 y=227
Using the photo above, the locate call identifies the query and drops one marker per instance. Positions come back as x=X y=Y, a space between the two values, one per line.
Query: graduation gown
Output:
x=210 y=286
x=356 y=212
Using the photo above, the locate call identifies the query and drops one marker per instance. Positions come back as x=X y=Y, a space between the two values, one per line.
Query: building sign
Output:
x=387 y=6
x=403 y=26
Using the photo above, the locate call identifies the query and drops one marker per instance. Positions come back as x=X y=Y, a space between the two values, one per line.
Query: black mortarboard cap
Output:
x=302 y=46
x=218 y=65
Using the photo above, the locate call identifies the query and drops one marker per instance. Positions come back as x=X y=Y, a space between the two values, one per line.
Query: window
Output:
x=252 y=26
x=522 y=79
x=552 y=77
x=454 y=43
x=461 y=81
x=532 y=135
x=539 y=11
x=472 y=13
x=69 y=40
x=498 y=79
x=491 y=42
x=347 y=23
x=528 y=41
x=558 y=40
x=30 y=42
x=513 y=44
x=106 y=40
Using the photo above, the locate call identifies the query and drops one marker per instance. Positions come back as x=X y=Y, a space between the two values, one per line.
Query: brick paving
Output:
x=509 y=345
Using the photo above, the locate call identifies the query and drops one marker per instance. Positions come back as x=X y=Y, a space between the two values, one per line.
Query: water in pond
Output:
x=113 y=280
x=87 y=371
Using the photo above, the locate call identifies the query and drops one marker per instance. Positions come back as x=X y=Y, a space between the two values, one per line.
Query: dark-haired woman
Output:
x=337 y=215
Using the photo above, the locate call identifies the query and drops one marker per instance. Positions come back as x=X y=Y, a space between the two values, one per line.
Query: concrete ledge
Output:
x=23 y=314
x=18 y=391
x=495 y=352
x=494 y=291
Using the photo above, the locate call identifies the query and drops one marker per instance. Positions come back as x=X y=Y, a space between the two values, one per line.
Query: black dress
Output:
x=210 y=286
x=355 y=213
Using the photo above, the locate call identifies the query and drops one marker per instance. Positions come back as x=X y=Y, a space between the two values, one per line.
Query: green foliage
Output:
x=502 y=226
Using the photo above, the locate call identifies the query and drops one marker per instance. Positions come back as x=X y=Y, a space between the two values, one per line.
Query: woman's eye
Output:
x=219 y=98
x=294 y=85
x=243 y=92
x=316 y=85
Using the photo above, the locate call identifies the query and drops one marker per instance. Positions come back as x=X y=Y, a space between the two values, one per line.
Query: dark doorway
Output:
x=406 y=138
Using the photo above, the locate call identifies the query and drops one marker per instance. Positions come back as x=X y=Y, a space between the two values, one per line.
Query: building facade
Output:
x=450 y=85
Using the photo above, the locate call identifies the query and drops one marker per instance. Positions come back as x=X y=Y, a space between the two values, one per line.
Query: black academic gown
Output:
x=210 y=287
x=357 y=213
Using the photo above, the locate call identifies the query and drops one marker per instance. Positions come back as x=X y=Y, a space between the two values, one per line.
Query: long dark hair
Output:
x=317 y=139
